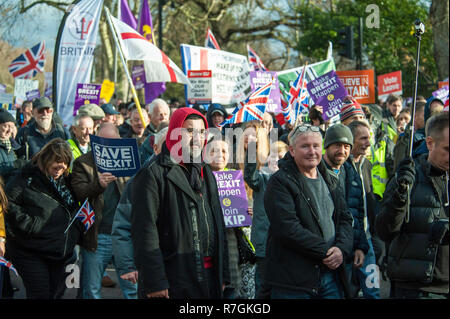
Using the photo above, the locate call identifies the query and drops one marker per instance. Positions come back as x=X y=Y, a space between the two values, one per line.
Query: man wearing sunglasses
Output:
x=310 y=231
x=42 y=130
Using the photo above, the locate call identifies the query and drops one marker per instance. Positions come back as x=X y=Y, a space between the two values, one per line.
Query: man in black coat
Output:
x=417 y=229
x=177 y=226
x=310 y=231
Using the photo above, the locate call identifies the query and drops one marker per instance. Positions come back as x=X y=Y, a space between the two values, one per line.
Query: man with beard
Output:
x=177 y=226
x=338 y=145
x=43 y=129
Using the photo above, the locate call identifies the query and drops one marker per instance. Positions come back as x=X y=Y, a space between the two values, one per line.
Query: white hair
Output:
x=155 y=103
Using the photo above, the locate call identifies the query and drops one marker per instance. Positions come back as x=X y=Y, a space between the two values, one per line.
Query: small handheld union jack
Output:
x=254 y=60
x=29 y=63
x=210 y=41
x=251 y=109
x=86 y=215
x=4 y=262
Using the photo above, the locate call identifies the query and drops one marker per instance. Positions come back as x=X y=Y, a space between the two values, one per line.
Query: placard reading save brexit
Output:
x=118 y=156
x=233 y=198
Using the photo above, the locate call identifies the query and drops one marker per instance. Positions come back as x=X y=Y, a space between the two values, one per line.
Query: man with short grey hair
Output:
x=310 y=226
x=159 y=112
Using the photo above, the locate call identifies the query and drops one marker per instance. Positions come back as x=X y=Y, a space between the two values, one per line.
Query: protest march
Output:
x=192 y=150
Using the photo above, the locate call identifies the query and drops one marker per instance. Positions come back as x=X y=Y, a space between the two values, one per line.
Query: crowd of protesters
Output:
x=334 y=206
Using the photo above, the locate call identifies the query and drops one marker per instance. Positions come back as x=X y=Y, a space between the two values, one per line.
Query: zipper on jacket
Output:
x=206 y=222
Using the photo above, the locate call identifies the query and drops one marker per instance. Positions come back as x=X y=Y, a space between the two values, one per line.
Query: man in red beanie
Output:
x=177 y=227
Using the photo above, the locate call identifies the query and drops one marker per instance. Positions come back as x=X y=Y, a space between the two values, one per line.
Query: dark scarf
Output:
x=195 y=176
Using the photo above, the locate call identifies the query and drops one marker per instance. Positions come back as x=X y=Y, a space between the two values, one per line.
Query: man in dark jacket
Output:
x=416 y=228
x=103 y=191
x=310 y=231
x=43 y=129
x=177 y=226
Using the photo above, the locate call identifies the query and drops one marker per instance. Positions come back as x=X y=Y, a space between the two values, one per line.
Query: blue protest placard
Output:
x=118 y=156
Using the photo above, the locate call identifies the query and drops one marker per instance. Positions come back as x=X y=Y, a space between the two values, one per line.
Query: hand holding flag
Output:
x=86 y=215
x=4 y=262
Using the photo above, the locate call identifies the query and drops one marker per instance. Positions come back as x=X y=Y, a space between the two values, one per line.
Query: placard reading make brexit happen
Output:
x=120 y=156
x=233 y=198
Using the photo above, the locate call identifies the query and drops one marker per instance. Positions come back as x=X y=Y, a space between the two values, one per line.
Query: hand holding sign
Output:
x=105 y=179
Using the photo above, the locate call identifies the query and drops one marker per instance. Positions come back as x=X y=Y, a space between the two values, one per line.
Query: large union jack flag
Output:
x=4 y=262
x=210 y=41
x=29 y=63
x=86 y=215
x=251 y=109
x=254 y=60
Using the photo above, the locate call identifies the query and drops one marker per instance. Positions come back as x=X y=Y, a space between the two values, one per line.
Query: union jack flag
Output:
x=298 y=99
x=251 y=109
x=27 y=64
x=4 y=262
x=210 y=41
x=86 y=215
x=254 y=60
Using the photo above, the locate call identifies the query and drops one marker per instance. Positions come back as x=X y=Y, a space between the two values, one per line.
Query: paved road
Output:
x=115 y=292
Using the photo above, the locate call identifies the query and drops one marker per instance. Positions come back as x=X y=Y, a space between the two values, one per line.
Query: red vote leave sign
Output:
x=390 y=83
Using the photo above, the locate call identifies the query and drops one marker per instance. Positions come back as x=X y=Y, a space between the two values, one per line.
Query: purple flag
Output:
x=86 y=93
x=153 y=89
x=145 y=22
x=126 y=15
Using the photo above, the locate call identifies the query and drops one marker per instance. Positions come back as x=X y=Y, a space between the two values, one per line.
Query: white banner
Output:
x=21 y=87
x=75 y=47
x=230 y=72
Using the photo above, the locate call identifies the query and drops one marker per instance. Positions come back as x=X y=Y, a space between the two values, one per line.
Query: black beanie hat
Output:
x=5 y=116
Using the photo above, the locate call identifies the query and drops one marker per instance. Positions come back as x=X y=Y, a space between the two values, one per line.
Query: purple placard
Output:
x=233 y=198
x=2 y=88
x=329 y=92
x=33 y=94
x=259 y=79
x=86 y=94
x=138 y=76
x=441 y=94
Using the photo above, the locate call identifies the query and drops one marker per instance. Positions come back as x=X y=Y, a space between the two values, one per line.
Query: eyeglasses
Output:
x=191 y=132
x=305 y=127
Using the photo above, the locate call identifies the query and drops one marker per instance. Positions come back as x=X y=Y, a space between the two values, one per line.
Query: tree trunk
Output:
x=439 y=16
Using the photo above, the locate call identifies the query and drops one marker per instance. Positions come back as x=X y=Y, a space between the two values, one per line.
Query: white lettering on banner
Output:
x=233 y=220
x=114 y=157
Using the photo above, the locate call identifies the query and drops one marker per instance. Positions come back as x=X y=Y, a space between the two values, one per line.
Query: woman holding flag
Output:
x=41 y=207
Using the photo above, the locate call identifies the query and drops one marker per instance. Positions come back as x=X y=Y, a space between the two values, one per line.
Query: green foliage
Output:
x=390 y=47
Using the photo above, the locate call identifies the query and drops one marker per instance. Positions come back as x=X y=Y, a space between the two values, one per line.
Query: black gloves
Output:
x=439 y=231
x=406 y=174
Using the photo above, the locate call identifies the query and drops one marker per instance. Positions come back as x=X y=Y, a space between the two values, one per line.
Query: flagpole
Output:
x=301 y=89
x=115 y=51
x=130 y=81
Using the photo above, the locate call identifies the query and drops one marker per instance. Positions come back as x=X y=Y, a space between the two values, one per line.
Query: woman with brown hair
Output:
x=41 y=207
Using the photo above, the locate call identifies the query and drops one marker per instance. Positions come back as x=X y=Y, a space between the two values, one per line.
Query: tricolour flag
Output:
x=158 y=66
x=4 y=262
x=254 y=60
x=29 y=63
x=253 y=108
x=86 y=215
x=210 y=40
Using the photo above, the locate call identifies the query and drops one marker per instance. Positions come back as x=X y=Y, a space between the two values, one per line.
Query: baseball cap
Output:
x=41 y=103
x=109 y=109
x=92 y=110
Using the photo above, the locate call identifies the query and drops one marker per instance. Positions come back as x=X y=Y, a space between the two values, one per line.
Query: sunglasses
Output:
x=305 y=127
